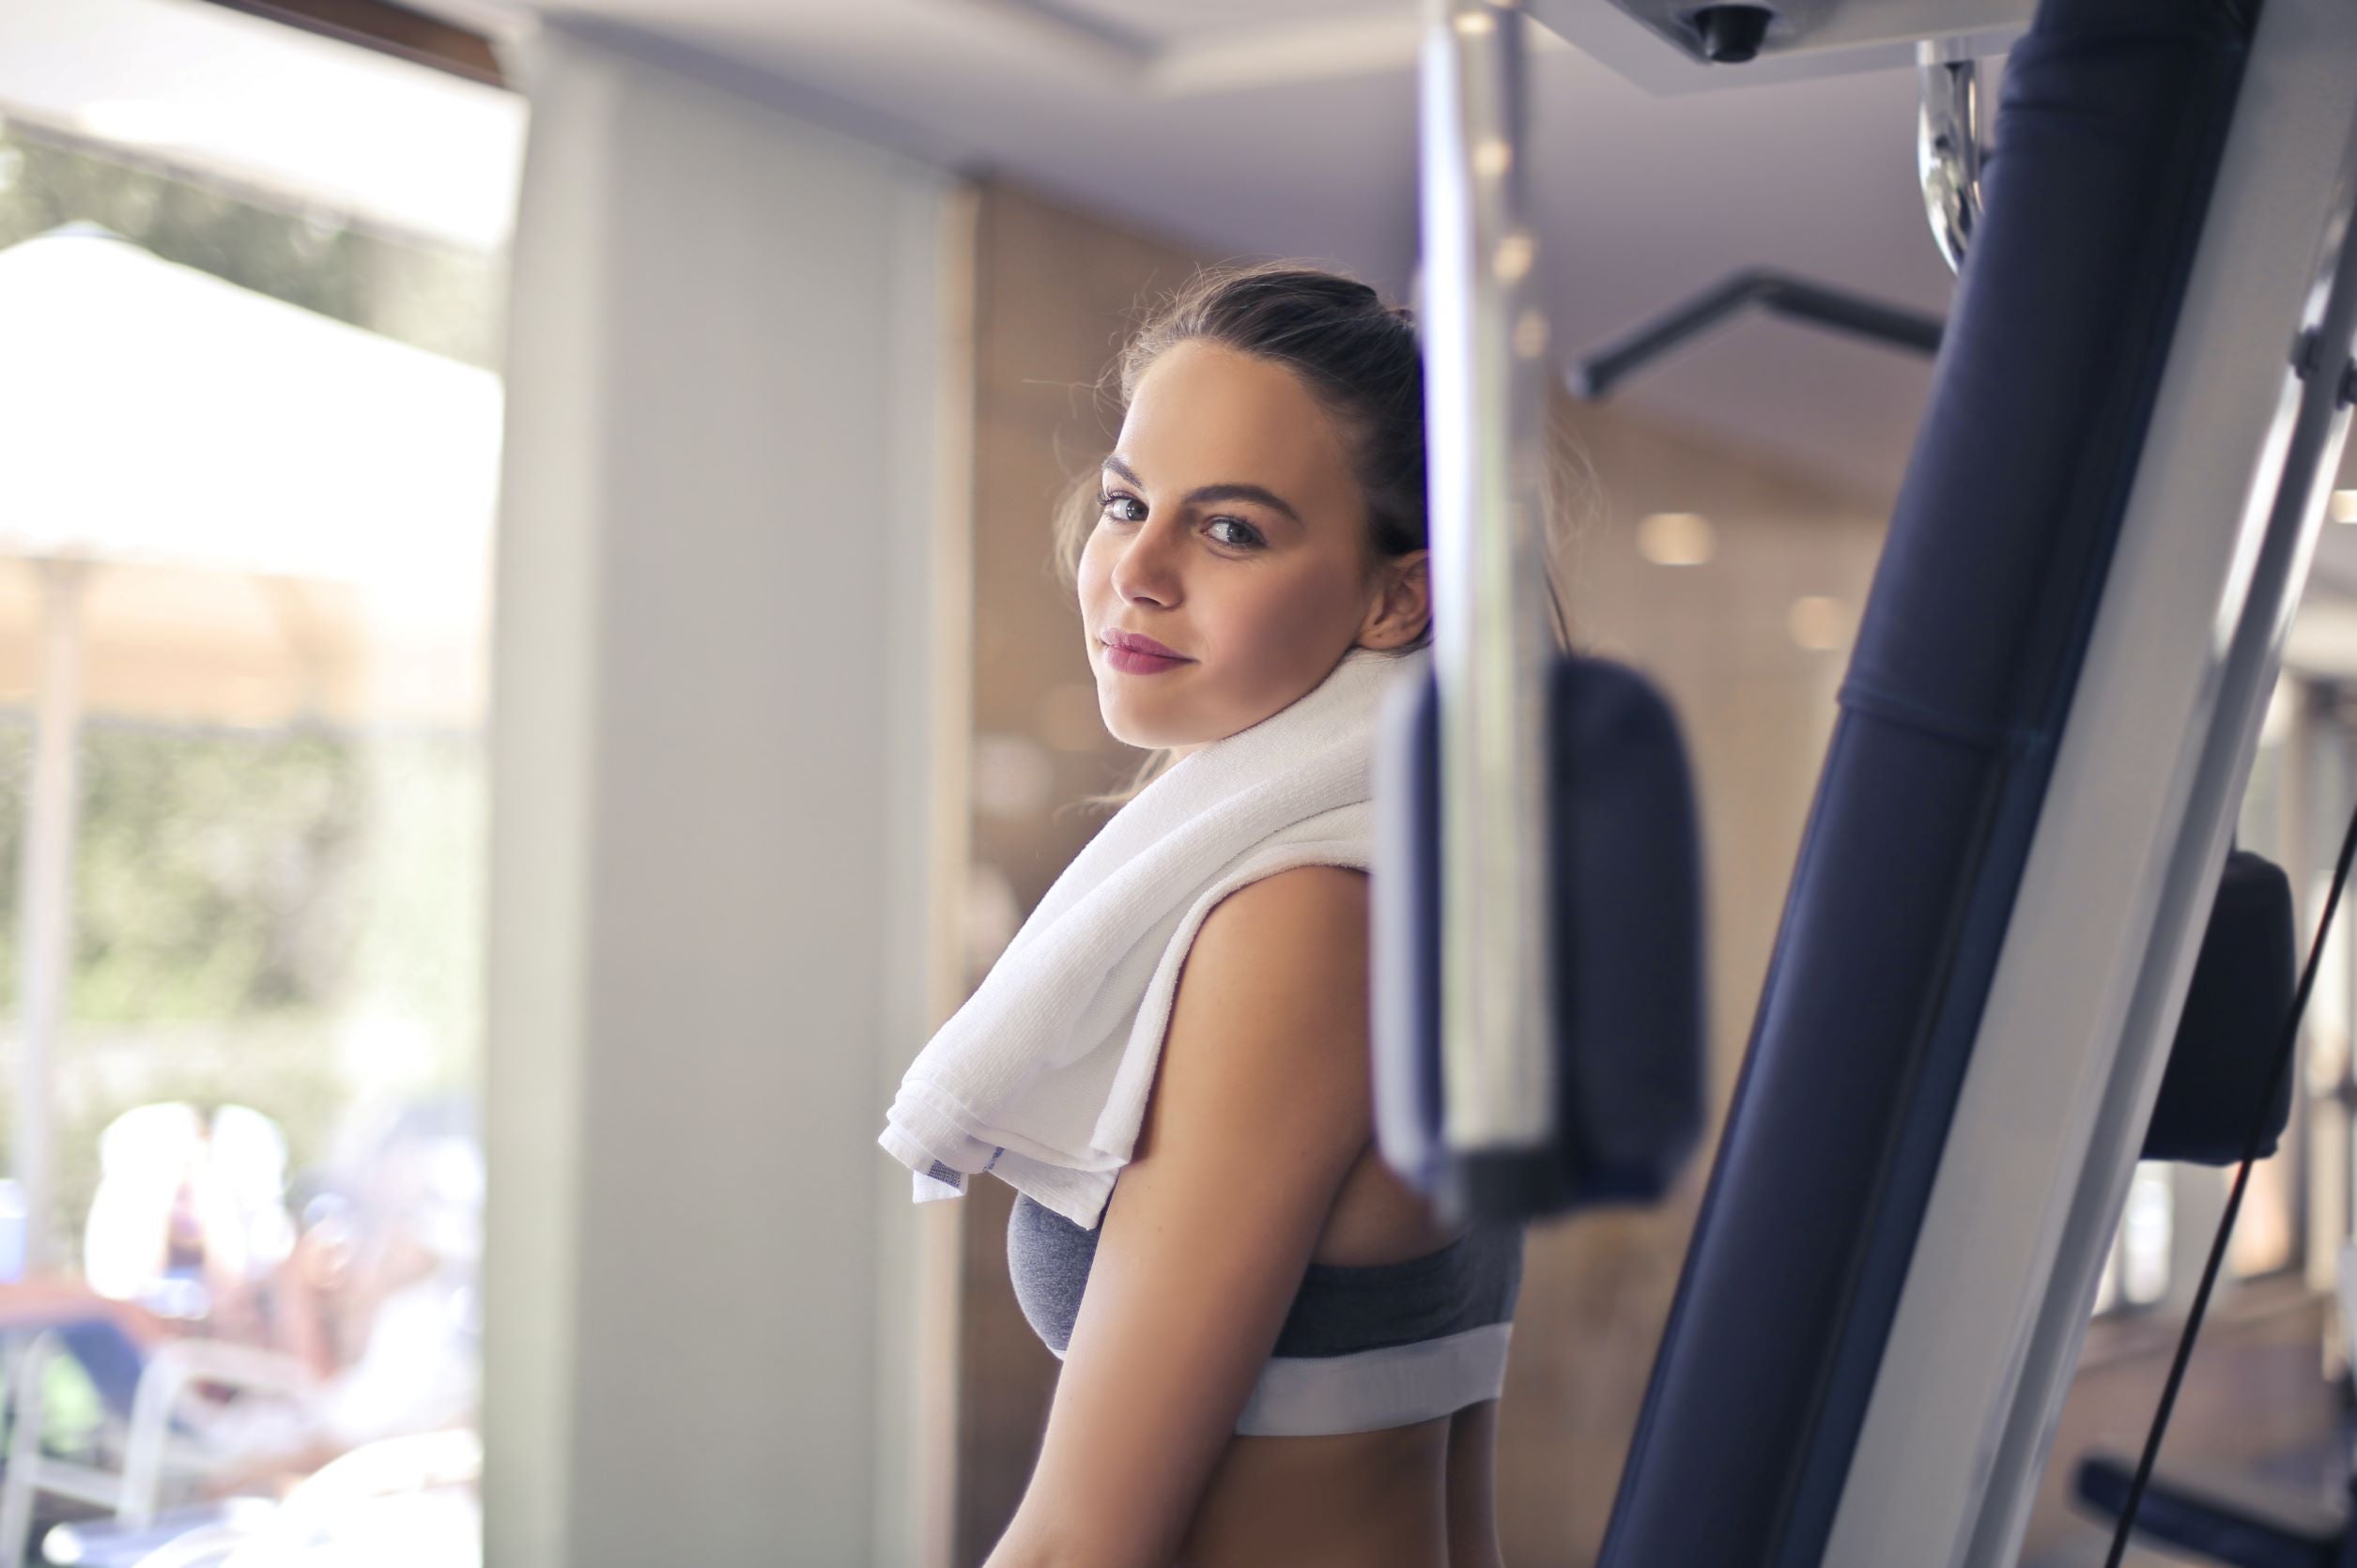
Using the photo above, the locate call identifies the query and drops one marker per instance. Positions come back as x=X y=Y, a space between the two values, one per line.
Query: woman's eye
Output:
x=1247 y=537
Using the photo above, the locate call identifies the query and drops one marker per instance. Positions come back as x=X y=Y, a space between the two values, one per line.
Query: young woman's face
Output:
x=1235 y=535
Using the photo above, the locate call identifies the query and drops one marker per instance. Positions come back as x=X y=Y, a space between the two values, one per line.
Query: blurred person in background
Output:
x=188 y=1234
x=391 y=1261
x=190 y=1217
x=376 y=1296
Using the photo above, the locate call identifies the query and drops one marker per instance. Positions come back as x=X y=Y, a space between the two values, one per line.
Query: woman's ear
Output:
x=1402 y=605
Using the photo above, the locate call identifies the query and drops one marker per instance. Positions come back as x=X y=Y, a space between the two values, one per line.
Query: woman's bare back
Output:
x=1404 y=1496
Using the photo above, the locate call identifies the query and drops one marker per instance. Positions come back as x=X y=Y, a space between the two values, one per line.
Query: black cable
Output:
x=2234 y=1206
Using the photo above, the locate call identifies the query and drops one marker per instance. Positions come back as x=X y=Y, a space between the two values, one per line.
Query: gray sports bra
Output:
x=1362 y=1347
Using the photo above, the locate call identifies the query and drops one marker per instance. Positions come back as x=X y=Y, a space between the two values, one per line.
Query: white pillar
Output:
x=729 y=578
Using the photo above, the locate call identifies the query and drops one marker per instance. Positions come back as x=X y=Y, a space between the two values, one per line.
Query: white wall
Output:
x=727 y=582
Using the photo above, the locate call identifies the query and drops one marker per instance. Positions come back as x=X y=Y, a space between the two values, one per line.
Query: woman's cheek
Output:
x=1091 y=573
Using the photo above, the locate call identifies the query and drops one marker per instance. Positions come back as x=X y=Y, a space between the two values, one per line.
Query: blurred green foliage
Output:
x=240 y=898
x=211 y=875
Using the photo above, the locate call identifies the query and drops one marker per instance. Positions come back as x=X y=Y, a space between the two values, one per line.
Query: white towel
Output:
x=1042 y=1077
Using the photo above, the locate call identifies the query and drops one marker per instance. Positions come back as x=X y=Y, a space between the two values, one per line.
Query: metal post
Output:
x=1485 y=392
x=2021 y=1285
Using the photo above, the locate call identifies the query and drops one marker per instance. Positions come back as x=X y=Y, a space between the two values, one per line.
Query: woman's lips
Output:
x=1137 y=663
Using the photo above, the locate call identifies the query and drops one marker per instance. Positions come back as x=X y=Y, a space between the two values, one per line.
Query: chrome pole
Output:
x=1486 y=343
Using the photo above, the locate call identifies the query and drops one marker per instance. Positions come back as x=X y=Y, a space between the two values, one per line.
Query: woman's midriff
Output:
x=1352 y=1500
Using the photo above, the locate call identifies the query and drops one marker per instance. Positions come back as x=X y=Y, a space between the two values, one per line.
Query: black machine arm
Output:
x=1778 y=293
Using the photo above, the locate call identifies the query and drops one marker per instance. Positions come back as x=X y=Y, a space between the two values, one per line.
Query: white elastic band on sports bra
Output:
x=1301 y=1396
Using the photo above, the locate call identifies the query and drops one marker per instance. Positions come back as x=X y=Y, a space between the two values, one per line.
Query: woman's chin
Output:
x=1144 y=737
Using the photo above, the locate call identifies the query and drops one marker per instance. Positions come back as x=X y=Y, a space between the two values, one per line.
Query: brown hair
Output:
x=1358 y=357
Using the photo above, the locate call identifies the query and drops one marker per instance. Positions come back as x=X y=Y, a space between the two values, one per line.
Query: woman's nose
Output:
x=1147 y=566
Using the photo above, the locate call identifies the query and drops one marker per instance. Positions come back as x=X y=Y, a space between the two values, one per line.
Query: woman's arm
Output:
x=1262 y=1101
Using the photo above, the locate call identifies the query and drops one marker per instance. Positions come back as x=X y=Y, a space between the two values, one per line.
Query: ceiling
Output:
x=1287 y=127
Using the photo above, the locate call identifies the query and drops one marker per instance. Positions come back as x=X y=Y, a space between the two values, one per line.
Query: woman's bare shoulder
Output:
x=1292 y=945
x=1301 y=903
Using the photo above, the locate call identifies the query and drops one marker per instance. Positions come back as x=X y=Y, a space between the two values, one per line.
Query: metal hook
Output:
x=1947 y=144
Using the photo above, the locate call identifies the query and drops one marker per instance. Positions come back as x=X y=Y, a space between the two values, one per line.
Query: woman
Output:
x=1260 y=518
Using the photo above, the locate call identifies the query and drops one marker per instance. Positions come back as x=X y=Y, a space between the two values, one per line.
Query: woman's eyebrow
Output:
x=1268 y=499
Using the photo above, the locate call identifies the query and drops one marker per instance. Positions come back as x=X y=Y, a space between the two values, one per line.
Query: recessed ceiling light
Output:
x=1511 y=260
x=1530 y=334
x=1013 y=776
x=1676 y=538
x=2344 y=506
x=1818 y=623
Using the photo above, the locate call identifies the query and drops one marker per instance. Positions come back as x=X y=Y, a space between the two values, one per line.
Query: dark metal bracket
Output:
x=1594 y=375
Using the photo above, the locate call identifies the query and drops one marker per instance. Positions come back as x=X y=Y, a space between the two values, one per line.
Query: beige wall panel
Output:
x=1056 y=292
x=1756 y=710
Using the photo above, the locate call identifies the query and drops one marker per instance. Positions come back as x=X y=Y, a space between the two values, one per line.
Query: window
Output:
x=249 y=446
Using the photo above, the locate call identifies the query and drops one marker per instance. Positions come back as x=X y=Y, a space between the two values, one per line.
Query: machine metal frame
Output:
x=2212 y=557
x=2213 y=552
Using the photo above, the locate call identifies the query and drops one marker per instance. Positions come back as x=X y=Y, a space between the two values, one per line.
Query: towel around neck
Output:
x=1041 y=1077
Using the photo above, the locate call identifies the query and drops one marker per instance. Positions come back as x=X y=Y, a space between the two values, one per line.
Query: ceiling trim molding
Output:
x=1276 y=55
x=756 y=82
x=1242 y=59
x=1284 y=53
x=1069 y=30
